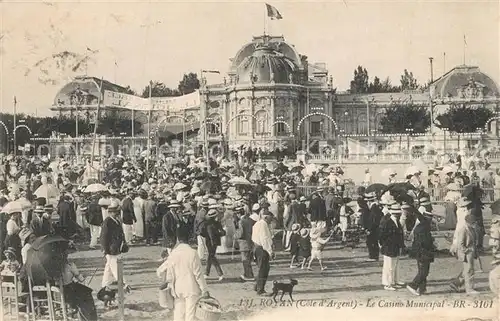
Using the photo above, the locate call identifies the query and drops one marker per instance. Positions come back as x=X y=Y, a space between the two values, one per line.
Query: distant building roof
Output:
x=89 y=91
x=452 y=83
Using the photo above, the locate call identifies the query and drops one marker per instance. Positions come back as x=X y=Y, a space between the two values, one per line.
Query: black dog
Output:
x=106 y=295
x=284 y=288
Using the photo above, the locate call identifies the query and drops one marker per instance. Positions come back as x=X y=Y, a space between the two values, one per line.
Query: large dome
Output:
x=266 y=65
x=455 y=83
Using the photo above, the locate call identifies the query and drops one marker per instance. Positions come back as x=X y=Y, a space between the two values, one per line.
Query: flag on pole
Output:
x=116 y=64
x=465 y=41
x=273 y=13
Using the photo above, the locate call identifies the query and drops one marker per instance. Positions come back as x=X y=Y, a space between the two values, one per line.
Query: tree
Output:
x=159 y=89
x=464 y=119
x=408 y=81
x=397 y=119
x=130 y=91
x=375 y=85
x=360 y=82
x=189 y=83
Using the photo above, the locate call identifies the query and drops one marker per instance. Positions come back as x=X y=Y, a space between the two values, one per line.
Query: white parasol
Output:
x=95 y=188
x=49 y=192
x=238 y=180
x=179 y=186
x=13 y=207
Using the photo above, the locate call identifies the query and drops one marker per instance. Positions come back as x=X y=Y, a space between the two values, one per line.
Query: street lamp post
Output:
x=445 y=130
x=409 y=131
x=373 y=133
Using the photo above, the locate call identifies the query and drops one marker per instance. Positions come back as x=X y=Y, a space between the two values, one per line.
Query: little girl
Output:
x=304 y=246
x=317 y=245
x=10 y=265
x=294 y=244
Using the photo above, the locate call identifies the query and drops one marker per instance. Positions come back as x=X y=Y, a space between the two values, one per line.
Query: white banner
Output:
x=119 y=100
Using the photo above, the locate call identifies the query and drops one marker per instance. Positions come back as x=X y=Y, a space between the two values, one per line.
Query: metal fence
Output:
x=437 y=195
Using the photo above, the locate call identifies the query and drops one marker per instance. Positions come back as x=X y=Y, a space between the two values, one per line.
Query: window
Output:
x=316 y=128
x=262 y=122
x=213 y=128
x=281 y=129
x=242 y=125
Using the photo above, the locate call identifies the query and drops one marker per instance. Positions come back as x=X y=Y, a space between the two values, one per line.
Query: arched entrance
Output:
x=317 y=132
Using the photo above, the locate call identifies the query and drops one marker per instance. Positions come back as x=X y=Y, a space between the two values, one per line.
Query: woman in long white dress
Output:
x=138 y=226
x=227 y=241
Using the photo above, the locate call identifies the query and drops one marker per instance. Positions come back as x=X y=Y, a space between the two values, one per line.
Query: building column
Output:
x=272 y=116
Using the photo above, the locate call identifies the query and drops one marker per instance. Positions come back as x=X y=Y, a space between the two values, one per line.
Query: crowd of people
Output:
x=223 y=206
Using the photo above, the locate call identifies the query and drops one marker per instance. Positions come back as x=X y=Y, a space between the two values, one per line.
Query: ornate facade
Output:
x=273 y=95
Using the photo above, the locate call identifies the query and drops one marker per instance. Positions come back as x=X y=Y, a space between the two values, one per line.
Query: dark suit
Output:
x=67 y=224
x=213 y=232
x=40 y=226
x=112 y=236
x=317 y=209
x=94 y=214
x=391 y=237
x=371 y=221
x=423 y=251
x=128 y=215
x=244 y=234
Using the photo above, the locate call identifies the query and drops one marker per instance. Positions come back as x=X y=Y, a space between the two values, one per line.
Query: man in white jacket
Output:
x=183 y=272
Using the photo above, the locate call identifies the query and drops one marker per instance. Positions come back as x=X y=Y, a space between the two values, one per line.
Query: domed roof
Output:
x=456 y=82
x=265 y=65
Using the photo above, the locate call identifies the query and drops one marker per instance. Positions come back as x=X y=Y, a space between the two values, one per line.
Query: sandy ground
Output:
x=343 y=290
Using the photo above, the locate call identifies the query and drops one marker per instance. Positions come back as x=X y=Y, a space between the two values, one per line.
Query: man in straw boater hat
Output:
x=422 y=248
x=169 y=225
x=213 y=231
x=391 y=241
x=113 y=244
x=371 y=224
x=263 y=249
x=317 y=206
x=244 y=237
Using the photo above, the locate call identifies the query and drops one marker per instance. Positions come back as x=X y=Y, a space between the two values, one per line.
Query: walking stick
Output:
x=232 y=250
x=93 y=274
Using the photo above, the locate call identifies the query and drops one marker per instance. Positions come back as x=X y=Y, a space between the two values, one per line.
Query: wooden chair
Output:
x=57 y=303
x=11 y=296
x=39 y=300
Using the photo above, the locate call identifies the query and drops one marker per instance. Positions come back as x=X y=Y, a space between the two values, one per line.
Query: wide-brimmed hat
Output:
x=48 y=207
x=295 y=227
x=302 y=199
x=24 y=234
x=304 y=232
x=10 y=251
x=255 y=207
x=39 y=209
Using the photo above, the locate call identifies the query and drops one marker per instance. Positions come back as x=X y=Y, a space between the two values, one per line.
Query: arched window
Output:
x=361 y=124
x=242 y=125
x=262 y=122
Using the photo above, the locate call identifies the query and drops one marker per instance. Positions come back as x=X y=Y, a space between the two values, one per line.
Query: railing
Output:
x=437 y=195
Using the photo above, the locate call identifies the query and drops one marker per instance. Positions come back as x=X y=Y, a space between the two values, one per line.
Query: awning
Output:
x=176 y=129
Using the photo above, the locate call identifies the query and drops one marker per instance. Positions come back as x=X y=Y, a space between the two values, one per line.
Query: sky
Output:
x=162 y=40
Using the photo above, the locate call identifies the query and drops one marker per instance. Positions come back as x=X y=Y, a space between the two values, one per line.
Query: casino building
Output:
x=273 y=95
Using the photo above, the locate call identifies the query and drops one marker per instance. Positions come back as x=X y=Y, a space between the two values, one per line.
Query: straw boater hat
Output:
x=395 y=209
x=304 y=232
x=302 y=199
x=174 y=204
x=255 y=207
x=10 y=251
x=39 y=209
x=212 y=213
x=295 y=227
x=370 y=196
x=424 y=201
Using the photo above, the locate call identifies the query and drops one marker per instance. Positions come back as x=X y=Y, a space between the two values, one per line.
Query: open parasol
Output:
x=238 y=180
x=378 y=188
x=95 y=188
x=46 y=258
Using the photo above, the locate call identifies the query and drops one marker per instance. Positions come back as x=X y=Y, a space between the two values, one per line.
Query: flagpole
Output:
x=465 y=45
x=15 y=124
x=265 y=20
x=96 y=124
